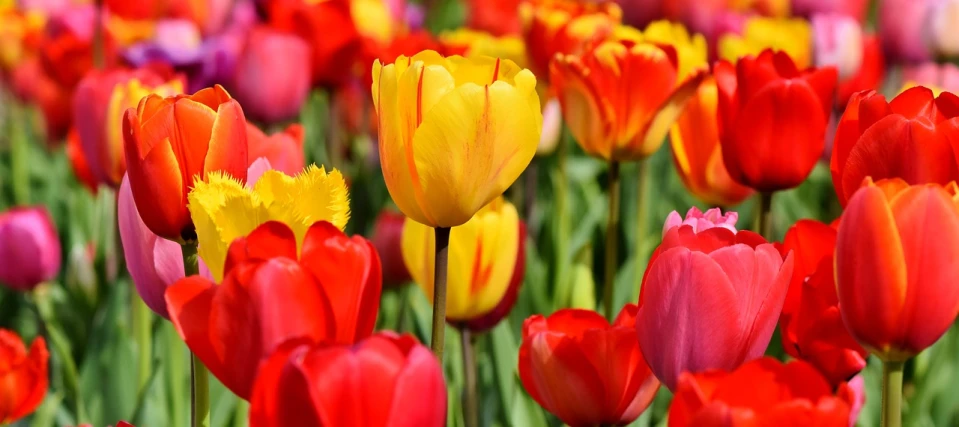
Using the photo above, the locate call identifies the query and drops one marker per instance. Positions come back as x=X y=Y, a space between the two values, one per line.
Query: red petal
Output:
x=271 y=239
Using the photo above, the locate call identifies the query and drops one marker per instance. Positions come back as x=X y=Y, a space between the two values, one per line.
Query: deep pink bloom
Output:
x=701 y=221
x=903 y=26
x=29 y=248
x=272 y=75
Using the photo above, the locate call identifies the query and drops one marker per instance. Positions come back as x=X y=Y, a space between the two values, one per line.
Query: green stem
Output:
x=19 y=155
x=642 y=169
x=440 y=266
x=892 y=394
x=563 y=295
x=764 y=224
x=200 y=386
x=142 y=325
x=612 y=230
x=470 y=401
x=177 y=372
x=60 y=344
x=403 y=299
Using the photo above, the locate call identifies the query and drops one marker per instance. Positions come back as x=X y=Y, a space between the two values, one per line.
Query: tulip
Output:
x=937 y=77
x=584 y=370
x=497 y=17
x=284 y=150
x=707 y=275
x=272 y=77
x=387 y=238
x=476 y=134
x=792 y=36
x=172 y=143
x=564 y=27
x=855 y=9
x=32 y=84
x=810 y=243
x=485 y=255
x=471 y=43
x=639 y=13
x=773 y=119
x=908 y=138
x=711 y=18
x=502 y=310
x=374 y=20
x=99 y=102
x=328 y=27
x=384 y=380
x=697 y=150
x=762 y=392
x=330 y=292
x=903 y=27
x=29 y=248
x=23 y=376
x=838 y=42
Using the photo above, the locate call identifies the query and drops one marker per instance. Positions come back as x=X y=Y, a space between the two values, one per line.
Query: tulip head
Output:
x=620 y=98
x=904 y=28
x=171 y=143
x=498 y=17
x=24 y=376
x=482 y=259
x=790 y=35
x=690 y=48
x=699 y=221
x=272 y=78
x=454 y=132
x=895 y=266
x=564 y=27
x=388 y=239
x=329 y=29
x=773 y=119
x=583 y=370
x=29 y=248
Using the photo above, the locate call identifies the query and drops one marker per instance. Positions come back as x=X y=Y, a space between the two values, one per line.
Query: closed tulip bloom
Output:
x=99 y=102
x=272 y=77
x=23 y=376
x=895 y=259
x=329 y=29
x=584 y=370
x=790 y=35
x=904 y=29
x=29 y=248
x=388 y=240
x=330 y=292
x=697 y=150
x=620 y=98
x=564 y=27
x=454 y=133
x=703 y=275
x=483 y=254
x=171 y=143
x=908 y=138
x=773 y=119
x=760 y=393
x=284 y=150
x=386 y=380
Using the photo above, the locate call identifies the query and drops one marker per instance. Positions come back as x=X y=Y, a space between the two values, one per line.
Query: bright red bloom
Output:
x=896 y=254
x=764 y=392
x=584 y=370
x=79 y=163
x=697 y=280
x=330 y=293
x=327 y=26
x=23 y=376
x=384 y=380
x=284 y=150
x=169 y=142
x=910 y=137
x=497 y=17
x=773 y=119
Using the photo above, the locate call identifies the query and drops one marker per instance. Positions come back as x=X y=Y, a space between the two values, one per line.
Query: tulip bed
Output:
x=478 y=213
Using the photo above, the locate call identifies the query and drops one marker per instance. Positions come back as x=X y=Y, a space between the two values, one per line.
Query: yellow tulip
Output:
x=691 y=49
x=793 y=36
x=454 y=132
x=223 y=209
x=373 y=19
x=472 y=43
x=482 y=256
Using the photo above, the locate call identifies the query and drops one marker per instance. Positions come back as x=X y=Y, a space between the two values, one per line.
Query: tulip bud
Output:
x=29 y=248
x=24 y=375
x=387 y=238
x=584 y=288
x=272 y=77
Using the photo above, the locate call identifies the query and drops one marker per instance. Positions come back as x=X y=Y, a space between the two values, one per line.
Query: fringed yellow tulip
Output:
x=223 y=209
x=790 y=35
x=471 y=43
x=454 y=132
x=482 y=256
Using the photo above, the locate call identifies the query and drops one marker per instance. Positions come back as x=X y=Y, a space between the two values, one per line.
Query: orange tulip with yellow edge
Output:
x=472 y=43
x=790 y=35
x=620 y=98
x=564 y=27
x=482 y=256
x=698 y=154
x=454 y=132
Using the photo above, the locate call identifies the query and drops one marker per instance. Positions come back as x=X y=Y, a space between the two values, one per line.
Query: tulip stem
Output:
x=764 y=224
x=142 y=325
x=440 y=265
x=612 y=228
x=642 y=167
x=470 y=407
x=200 y=384
x=891 y=394
x=61 y=347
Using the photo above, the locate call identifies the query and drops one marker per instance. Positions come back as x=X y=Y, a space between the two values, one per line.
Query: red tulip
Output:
x=328 y=28
x=764 y=392
x=29 y=248
x=584 y=370
x=773 y=119
x=23 y=376
x=384 y=380
x=330 y=293
x=497 y=17
x=33 y=85
x=910 y=137
x=169 y=142
x=698 y=279
x=387 y=237
x=284 y=150
x=896 y=254
x=272 y=77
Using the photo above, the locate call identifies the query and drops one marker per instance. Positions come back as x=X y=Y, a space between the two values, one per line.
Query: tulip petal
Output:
x=281 y=393
x=559 y=376
x=421 y=374
x=228 y=148
x=194 y=126
x=158 y=180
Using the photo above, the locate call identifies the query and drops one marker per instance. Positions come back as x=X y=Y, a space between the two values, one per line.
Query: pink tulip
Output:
x=272 y=75
x=29 y=248
x=700 y=221
x=710 y=299
x=855 y=9
x=930 y=74
x=903 y=26
x=283 y=150
x=837 y=42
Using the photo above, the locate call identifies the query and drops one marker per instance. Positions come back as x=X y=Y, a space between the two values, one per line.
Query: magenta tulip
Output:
x=29 y=248
x=272 y=75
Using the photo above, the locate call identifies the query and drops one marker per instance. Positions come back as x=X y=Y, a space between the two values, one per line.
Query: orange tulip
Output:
x=565 y=27
x=171 y=142
x=895 y=261
x=698 y=154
